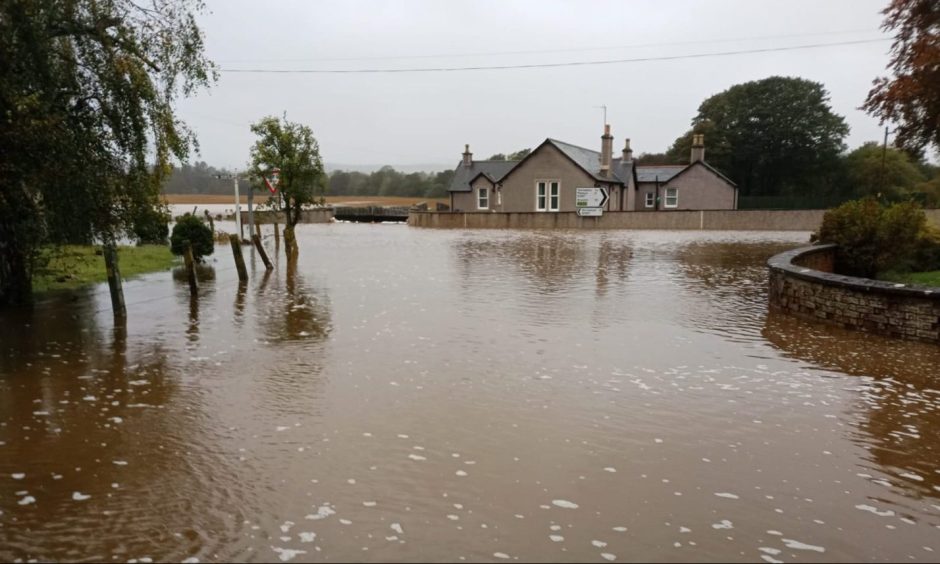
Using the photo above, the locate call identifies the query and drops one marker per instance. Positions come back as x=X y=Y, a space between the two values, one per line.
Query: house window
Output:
x=483 y=198
x=553 y=196
x=672 y=197
x=547 y=195
x=650 y=198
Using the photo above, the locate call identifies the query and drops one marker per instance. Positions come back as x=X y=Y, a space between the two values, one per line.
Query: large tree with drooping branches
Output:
x=87 y=126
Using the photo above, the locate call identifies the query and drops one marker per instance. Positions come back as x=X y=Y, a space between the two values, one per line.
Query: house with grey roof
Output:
x=547 y=178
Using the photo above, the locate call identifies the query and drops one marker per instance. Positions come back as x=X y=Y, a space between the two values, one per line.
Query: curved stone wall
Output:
x=802 y=283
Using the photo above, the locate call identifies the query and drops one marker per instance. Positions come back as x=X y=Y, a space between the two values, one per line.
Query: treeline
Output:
x=200 y=178
x=778 y=138
x=389 y=182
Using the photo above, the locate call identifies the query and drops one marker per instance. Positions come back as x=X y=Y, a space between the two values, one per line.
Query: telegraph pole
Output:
x=238 y=206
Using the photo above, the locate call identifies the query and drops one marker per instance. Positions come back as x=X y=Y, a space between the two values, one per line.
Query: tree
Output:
x=912 y=97
x=292 y=148
x=645 y=159
x=771 y=137
x=190 y=229
x=867 y=177
x=87 y=127
x=517 y=156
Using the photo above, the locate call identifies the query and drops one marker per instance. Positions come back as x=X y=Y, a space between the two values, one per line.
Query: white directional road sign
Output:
x=590 y=212
x=594 y=197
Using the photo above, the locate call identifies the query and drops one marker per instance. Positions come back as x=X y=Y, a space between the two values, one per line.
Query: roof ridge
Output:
x=661 y=165
x=572 y=145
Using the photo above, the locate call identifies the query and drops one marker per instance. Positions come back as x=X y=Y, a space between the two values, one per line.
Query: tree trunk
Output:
x=16 y=245
x=16 y=283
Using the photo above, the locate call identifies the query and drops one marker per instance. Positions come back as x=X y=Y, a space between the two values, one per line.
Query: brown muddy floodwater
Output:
x=414 y=394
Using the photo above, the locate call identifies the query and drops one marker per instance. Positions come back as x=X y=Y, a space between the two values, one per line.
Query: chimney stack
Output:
x=698 y=148
x=627 y=151
x=467 y=156
x=607 y=149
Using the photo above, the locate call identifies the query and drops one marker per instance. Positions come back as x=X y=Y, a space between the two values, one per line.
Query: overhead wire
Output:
x=544 y=51
x=555 y=65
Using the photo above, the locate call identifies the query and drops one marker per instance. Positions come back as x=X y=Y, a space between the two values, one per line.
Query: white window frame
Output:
x=649 y=199
x=483 y=198
x=675 y=204
x=552 y=190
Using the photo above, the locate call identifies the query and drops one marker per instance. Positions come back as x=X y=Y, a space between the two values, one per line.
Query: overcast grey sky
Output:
x=425 y=118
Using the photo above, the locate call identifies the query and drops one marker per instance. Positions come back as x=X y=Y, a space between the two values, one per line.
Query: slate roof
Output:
x=664 y=172
x=587 y=159
x=494 y=170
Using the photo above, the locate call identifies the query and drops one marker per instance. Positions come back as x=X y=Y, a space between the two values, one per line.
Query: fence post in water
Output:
x=258 y=229
x=290 y=243
x=190 y=269
x=239 y=259
x=114 y=280
x=264 y=256
x=277 y=236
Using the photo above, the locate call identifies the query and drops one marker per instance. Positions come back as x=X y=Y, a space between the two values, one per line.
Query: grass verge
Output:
x=73 y=266
x=921 y=278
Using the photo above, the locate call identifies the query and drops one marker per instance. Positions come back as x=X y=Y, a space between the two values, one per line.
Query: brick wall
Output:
x=908 y=312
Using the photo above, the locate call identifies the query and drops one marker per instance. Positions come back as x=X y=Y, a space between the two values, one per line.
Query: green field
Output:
x=73 y=266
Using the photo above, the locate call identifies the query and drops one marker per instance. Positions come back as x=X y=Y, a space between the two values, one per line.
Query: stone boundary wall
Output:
x=723 y=220
x=802 y=283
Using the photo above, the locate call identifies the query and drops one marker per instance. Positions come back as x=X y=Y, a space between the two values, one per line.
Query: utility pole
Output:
x=238 y=205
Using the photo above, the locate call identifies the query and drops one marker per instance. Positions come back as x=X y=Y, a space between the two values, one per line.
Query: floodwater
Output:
x=410 y=394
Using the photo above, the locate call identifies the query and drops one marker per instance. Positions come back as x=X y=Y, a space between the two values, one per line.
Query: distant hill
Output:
x=408 y=168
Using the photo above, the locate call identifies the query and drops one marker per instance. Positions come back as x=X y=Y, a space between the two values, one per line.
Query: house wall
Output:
x=547 y=163
x=629 y=196
x=639 y=203
x=467 y=201
x=699 y=189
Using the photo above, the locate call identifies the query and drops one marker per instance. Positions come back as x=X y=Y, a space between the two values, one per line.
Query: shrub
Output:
x=873 y=238
x=151 y=225
x=191 y=228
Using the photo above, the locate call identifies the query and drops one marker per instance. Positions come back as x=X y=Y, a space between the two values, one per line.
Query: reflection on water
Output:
x=897 y=397
x=405 y=394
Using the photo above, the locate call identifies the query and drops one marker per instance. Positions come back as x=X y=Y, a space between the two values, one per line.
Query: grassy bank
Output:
x=920 y=278
x=73 y=266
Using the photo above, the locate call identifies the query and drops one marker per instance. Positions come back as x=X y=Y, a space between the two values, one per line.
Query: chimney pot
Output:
x=607 y=149
x=698 y=148
x=627 y=151
x=467 y=156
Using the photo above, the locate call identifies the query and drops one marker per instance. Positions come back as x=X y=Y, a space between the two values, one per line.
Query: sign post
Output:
x=590 y=201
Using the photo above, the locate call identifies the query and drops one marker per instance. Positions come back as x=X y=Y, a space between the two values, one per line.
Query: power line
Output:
x=543 y=51
x=556 y=65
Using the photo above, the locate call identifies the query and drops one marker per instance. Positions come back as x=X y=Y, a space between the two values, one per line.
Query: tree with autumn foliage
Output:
x=911 y=98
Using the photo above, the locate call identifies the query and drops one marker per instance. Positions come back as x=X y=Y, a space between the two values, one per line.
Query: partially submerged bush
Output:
x=873 y=238
x=151 y=225
x=191 y=228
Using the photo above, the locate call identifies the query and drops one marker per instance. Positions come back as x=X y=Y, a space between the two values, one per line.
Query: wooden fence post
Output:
x=239 y=259
x=277 y=237
x=190 y=269
x=114 y=281
x=264 y=256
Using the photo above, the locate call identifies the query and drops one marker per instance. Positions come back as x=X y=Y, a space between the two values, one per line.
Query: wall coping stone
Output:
x=784 y=262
